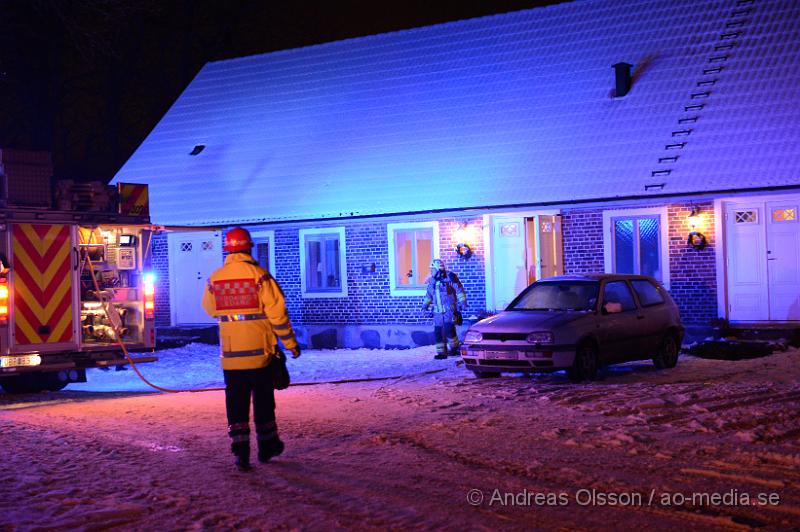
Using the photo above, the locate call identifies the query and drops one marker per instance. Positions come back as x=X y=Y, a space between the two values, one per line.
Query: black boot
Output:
x=243 y=463
x=268 y=449
x=241 y=450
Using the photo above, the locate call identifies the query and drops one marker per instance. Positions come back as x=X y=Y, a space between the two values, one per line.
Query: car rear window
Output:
x=648 y=293
x=563 y=295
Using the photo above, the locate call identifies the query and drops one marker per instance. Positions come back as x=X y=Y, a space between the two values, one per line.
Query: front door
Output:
x=193 y=257
x=763 y=259
x=509 y=272
x=524 y=249
x=783 y=260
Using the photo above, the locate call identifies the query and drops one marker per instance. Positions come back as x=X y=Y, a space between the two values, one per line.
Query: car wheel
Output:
x=485 y=374
x=584 y=368
x=667 y=356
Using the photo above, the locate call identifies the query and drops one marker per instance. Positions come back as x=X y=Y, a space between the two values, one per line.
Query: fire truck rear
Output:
x=75 y=285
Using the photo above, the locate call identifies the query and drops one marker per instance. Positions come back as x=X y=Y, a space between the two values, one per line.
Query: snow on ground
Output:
x=710 y=444
x=197 y=366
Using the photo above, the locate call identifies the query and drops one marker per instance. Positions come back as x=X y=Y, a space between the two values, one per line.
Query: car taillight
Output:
x=3 y=300
x=149 y=296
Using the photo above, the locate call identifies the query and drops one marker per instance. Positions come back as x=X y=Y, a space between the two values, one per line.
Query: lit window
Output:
x=746 y=217
x=264 y=249
x=322 y=261
x=635 y=241
x=784 y=215
x=412 y=246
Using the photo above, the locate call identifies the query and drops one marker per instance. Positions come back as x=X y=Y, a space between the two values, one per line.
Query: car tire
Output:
x=667 y=356
x=486 y=374
x=586 y=363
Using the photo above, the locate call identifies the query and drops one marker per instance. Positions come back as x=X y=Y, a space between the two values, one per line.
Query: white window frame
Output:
x=394 y=290
x=663 y=224
x=262 y=236
x=342 y=292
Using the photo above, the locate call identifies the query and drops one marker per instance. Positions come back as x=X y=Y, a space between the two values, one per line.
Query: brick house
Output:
x=637 y=136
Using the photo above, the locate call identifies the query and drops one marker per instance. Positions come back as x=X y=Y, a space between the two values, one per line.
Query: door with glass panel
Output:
x=763 y=260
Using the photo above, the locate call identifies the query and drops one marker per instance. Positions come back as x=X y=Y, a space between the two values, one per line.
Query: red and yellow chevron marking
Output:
x=42 y=283
x=133 y=199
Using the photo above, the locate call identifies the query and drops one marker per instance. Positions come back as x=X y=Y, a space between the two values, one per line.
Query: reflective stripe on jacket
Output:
x=242 y=288
x=446 y=296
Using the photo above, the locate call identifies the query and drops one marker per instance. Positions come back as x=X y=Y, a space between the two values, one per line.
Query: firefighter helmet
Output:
x=238 y=239
x=437 y=264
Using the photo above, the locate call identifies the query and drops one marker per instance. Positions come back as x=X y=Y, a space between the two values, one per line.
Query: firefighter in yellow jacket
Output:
x=252 y=316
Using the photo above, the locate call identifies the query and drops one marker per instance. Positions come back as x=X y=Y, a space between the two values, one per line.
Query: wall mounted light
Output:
x=463 y=238
x=696 y=238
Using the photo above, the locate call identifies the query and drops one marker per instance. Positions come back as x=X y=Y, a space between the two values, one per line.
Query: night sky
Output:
x=89 y=79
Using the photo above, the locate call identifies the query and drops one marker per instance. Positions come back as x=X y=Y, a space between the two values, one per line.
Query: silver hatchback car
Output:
x=577 y=323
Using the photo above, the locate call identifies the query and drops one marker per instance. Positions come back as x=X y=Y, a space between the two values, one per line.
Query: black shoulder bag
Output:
x=280 y=374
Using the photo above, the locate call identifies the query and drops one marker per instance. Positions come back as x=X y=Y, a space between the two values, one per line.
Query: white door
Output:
x=193 y=257
x=763 y=258
x=748 y=297
x=509 y=275
x=783 y=260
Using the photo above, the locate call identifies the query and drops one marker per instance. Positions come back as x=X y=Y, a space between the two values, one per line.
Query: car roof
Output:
x=597 y=277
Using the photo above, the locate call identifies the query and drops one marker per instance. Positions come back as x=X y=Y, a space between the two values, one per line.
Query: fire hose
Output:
x=115 y=325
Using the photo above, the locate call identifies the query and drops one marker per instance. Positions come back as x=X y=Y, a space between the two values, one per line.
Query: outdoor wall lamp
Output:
x=462 y=237
x=696 y=239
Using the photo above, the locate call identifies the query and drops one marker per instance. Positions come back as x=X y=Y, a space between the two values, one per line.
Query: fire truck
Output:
x=76 y=290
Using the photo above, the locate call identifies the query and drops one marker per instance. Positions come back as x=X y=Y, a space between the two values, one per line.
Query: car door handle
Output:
x=774 y=258
x=640 y=317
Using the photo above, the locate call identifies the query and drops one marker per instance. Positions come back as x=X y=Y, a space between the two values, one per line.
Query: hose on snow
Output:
x=132 y=362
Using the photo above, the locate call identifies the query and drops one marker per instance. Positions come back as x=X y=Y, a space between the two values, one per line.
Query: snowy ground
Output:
x=709 y=445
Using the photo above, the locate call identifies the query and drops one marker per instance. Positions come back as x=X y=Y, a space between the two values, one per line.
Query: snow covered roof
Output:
x=502 y=110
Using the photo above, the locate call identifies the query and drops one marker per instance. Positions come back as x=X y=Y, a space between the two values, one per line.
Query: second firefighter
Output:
x=446 y=295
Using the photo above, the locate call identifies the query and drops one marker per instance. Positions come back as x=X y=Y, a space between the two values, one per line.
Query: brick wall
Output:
x=582 y=233
x=693 y=275
x=369 y=300
x=692 y=272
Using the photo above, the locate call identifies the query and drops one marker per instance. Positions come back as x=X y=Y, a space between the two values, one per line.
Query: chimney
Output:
x=622 y=73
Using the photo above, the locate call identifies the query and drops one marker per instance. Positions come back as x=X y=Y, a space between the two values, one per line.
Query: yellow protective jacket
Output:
x=252 y=312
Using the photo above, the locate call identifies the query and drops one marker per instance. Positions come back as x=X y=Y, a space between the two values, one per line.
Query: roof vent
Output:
x=622 y=72
x=197 y=149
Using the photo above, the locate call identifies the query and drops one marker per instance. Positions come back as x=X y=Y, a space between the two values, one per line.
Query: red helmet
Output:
x=238 y=239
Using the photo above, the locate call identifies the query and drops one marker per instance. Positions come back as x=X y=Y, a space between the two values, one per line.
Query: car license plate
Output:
x=501 y=355
x=22 y=360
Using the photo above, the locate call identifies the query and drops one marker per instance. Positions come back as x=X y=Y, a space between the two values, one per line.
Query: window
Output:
x=785 y=214
x=618 y=292
x=264 y=249
x=635 y=241
x=322 y=262
x=647 y=292
x=412 y=246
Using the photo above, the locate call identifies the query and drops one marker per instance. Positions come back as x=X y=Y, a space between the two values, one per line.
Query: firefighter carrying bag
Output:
x=280 y=374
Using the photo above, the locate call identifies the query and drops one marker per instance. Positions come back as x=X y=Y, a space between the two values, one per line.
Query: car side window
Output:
x=618 y=293
x=648 y=293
